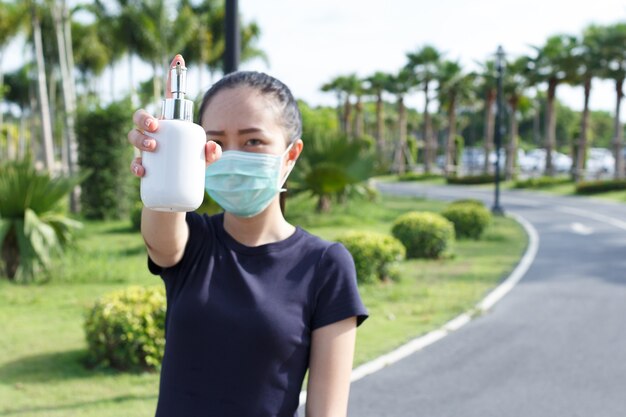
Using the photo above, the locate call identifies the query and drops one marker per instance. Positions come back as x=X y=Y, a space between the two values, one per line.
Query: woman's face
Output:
x=243 y=119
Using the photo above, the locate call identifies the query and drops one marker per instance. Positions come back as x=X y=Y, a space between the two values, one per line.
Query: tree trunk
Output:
x=451 y=135
x=550 y=127
x=490 y=117
x=358 y=118
x=347 y=113
x=323 y=203
x=380 y=125
x=619 y=134
x=156 y=84
x=511 y=153
x=44 y=104
x=581 y=149
x=399 y=160
x=10 y=255
x=430 y=145
x=69 y=98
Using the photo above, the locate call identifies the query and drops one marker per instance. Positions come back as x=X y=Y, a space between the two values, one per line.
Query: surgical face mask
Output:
x=245 y=183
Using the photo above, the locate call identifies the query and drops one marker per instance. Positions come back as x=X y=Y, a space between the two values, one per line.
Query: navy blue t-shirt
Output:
x=239 y=320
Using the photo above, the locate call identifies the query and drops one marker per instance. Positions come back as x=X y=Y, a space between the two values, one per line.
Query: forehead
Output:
x=241 y=107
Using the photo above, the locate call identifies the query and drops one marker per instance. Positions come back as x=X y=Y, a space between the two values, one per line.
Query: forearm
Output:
x=165 y=235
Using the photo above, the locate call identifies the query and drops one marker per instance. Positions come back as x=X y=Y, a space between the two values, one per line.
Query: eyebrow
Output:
x=241 y=131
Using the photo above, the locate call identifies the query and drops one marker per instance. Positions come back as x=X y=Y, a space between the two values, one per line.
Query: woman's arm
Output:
x=330 y=366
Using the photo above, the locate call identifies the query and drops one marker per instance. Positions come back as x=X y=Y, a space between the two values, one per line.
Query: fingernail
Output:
x=148 y=123
x=146 y=143
x=136 y=169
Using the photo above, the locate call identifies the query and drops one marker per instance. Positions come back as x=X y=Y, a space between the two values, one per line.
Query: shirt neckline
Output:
x=235 y=245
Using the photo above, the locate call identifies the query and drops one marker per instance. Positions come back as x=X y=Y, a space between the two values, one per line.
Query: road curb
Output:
x=461 y=320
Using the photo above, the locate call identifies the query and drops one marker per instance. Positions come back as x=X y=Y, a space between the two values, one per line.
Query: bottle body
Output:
x=175 y=171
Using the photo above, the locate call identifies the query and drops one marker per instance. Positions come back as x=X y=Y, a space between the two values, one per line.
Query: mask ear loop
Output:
x=292 y=165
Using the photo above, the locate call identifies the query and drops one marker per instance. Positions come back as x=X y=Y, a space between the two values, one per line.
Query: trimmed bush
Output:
x=424 y=234
x=470 y=220
x=472 y=180
x=373 y=254
x=598 y=187
x=470 y=201
x=125 y=329
x=541 y=182
x=414 y=176
x=104 y=152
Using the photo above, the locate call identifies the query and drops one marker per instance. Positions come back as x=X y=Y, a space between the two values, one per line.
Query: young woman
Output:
x=252 y=301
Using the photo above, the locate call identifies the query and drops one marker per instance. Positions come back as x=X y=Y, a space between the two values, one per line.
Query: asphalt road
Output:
x=555 y=346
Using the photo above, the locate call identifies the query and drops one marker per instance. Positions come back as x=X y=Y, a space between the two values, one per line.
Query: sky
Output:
x=309 y=42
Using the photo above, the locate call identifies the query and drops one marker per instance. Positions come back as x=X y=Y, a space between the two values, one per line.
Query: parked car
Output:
x=600 y=161
x=535 y=161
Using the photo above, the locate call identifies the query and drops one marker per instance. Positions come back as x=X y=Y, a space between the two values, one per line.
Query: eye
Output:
x=219 y=142
x=254 y=142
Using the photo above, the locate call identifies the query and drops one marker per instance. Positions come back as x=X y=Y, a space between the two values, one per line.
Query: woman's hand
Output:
x=145 y=122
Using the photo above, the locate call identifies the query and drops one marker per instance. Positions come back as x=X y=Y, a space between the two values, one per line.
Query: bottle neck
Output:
x=177 y=109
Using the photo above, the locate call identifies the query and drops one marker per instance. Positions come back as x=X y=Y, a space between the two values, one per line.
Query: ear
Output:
x=296 y=149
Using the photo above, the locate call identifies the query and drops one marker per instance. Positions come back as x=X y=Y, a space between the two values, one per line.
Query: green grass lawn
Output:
x=42 y=344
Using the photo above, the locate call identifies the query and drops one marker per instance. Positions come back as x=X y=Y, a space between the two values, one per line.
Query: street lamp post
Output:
x=233 y=41
x=497 y=209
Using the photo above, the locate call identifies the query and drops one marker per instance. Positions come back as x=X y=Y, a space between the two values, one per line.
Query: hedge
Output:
x=424 y=234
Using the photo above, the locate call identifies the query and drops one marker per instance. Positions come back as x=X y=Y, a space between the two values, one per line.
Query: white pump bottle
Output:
x=174 y=171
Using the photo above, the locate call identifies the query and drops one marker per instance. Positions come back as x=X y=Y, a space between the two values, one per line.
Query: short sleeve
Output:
x=198 y=229
x=337 y=296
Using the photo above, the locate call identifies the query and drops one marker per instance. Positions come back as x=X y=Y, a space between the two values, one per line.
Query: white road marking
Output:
x=581 y=229
x=594 y=216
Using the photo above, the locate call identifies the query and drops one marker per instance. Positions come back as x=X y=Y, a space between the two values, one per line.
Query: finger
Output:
x=168 y=85
x=213 y=152
x=141 y=141
x=136 y=168
x=145 y=121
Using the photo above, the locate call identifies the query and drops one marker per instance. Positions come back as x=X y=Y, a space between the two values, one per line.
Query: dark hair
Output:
x=267 y=85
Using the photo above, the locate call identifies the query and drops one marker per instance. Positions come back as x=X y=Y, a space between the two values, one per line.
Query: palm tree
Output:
x=354 y=87
x=455 y=88
x=424 y=64
x=399 y=85
x=588 y=61
x=554 y=64
x=66 y=63
x=44 y=102
x=514 y=84
x=613 y=58
x=487 y=88
x=375 y=85
x=32 y=227
x=99 y=44
x=336 y=86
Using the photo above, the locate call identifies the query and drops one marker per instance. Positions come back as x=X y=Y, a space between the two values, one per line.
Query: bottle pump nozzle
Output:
x=178 y=107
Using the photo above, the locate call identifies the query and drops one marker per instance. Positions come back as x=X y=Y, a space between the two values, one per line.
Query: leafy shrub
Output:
x=104 y=151
x=33 y=226
x=541 y=182
x=471 y=179
x=470 y=201
x=597 y=187
x=373 y=254
x=470 y=220
x=414 y=176
x=125 y=329
x=331 y=165
x=424 y=234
